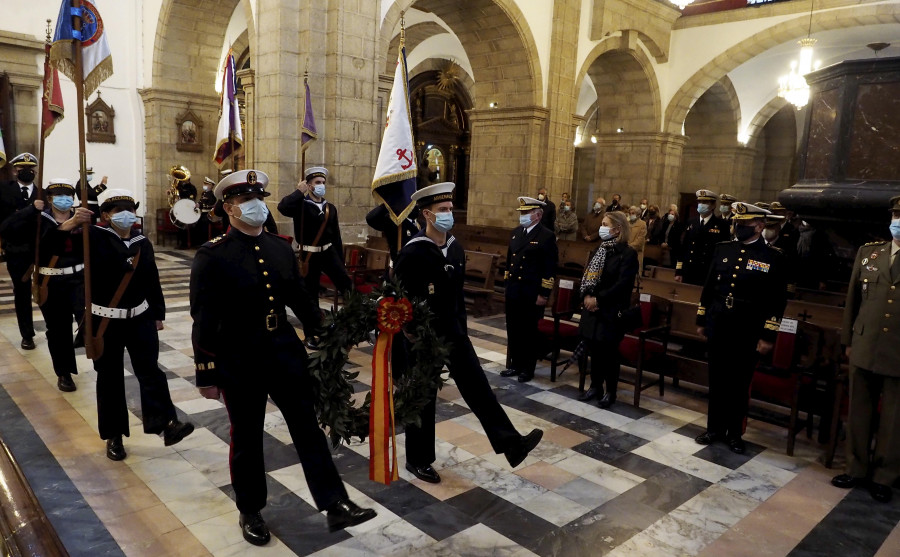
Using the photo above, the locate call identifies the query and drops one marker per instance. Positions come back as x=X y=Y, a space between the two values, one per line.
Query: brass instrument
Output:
x=179 y=174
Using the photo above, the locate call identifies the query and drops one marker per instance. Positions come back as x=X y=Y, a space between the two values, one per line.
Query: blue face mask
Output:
x=254 y=212
x=62 y=202
x=123 y=220
x=895 y=229
x=703 y=208
x=605 y=233
x=443 y=221
x=525 y=220
x=319 y=190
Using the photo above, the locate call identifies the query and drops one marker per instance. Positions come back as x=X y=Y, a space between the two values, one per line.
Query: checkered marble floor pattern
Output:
x=623 y=481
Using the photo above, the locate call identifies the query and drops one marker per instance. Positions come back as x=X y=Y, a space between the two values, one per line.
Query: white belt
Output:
x=315 y=249
x=54 y=271
x=119 y=313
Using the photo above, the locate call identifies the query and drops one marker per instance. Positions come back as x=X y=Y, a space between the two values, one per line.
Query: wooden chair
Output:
x=646 y=347
x=164 y=226
x=368 y=268
x=558 y=331
x=480 y=275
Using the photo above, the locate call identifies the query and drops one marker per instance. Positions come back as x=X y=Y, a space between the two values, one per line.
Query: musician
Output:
x=19 y=246
x=185 y=190
x=318 y=233
x=203 y=230
x=128 y=312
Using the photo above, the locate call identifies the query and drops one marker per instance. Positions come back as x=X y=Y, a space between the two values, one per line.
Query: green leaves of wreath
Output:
x=331 y=383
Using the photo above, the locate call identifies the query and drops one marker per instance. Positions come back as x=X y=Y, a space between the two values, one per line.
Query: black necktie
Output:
x=895 y=268
x=25 y=193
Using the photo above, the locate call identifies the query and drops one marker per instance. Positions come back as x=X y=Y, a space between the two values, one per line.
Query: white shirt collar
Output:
x=528 y=230
x=705 y=220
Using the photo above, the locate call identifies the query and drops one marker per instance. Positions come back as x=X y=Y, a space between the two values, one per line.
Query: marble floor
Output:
x=623 y=481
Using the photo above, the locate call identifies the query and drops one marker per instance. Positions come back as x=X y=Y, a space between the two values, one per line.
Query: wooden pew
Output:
x=671 y=290
x=828 y=317
x=481 y=269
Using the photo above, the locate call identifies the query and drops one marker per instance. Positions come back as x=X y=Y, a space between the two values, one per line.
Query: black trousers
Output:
x=279 y=371
x=330 y=263
x=17 y=265
x=465 y=370
x=605 y=365
x=65 y=302
x=732 y=359
x=140 y=338
x=523 y=339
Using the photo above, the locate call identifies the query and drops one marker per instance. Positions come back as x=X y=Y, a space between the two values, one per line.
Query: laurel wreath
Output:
x=353 y=324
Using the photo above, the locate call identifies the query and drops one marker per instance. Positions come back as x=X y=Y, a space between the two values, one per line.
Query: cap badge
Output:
x=251 y=177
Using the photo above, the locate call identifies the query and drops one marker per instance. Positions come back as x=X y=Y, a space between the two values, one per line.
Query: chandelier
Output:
x=793 y=87
x=682 y=4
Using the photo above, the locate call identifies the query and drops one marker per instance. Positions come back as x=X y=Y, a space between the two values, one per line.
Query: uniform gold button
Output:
x=743 y=251
x=893 y=287
x=890 y=301
x=887 y=314
x=733 y=276
x=256 y=248
x=268 y=286
x=740 y=258
x=261 y=261
x=736 y=267
x=271 y=311
x=271 y=299
x=885 y=329
x=732 y=285
x=265 y=273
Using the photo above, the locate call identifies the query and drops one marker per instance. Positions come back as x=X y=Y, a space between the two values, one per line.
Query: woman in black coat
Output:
x=606 y=292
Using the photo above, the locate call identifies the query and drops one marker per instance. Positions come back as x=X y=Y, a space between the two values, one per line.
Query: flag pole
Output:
x=402 y=46
x=85 y=229
x=35 y=275
x=302 y=150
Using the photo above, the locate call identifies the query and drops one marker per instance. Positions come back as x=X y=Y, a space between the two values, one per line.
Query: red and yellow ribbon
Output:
x=391 y=316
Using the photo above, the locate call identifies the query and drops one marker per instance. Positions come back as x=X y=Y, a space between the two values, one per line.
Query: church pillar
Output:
x=637 y=164
x=721 y=169
x=246 y=77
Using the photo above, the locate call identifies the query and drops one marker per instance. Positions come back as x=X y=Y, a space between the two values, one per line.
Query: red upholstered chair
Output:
x=558 y=330
x=645 y=347
x=367 y=268
x=789 y=377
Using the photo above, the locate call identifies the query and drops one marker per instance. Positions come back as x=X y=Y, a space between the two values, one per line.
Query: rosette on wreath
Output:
x=391 y=315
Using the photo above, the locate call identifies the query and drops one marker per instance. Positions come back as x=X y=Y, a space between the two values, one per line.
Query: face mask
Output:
x=725 y=209
x=744 y=232
x=605 y=233
x=566 y=208
x=90 y=177
x=671 y=217
x=643 y=206
x=319 y=190
x=525 y=220
x=652 y=214
x=254 y=212
x=540 y=197
x=62 y=202
x=770 y=234
x=25 y=176
x=632 y=218
x=703 y=208
x=598 y=207
x=123 y=220
x=895 y=228
x=205 y=188
x=443 y=221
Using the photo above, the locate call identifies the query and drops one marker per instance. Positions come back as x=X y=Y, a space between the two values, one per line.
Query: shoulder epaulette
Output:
x=724 y=242
x=776 y=248
x=217 y=241
x=875 y=243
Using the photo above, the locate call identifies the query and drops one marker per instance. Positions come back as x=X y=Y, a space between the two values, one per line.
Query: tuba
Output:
x=179 y=174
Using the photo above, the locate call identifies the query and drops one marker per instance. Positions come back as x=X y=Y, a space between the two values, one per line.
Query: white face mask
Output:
x=632 y=218
x=769 y=234
x=598 y=207
x=605 y=233
x=643 y=206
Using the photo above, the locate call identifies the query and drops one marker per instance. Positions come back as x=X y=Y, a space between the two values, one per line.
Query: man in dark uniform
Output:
x=531 y=270
x=772 y=235
x=790 y=234
x=203 y=230
x=432 y=267
x=379 y=219
x=60 y=273
x=248 y=351
x=740 y=309
x=19 y=246
x=871 y=336
x=317 y=232
x=128 y=311
x=186 y=190
x=548 y=218
x=93 y=191
x=725 y=202
x=700 y=238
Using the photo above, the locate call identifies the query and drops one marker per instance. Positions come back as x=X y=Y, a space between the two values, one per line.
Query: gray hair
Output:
x=620 y=221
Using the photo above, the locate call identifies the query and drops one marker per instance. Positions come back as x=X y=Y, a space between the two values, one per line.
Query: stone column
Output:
x=638 y=165
x=723 y=170
x=247 y=84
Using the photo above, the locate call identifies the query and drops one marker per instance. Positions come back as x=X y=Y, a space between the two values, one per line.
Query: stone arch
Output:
x=414 y=37
x=798 y=27
x=761 y=118
x=620 y=55
x=775 y=145
x=714 y=119
x=498 y=42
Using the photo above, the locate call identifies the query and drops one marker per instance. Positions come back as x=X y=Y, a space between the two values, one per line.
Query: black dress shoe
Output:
x=28 y=343
x=517 y=454
x=425 y=473
x=880 y=492
x=509 y=373
x=114 y=448
x=846 y=481
x=737 y=445
x=347 y=513
x=176 y=431
x=707 y=438
x=589 y=394
x=254 y=529
x=65 y=384
x=525 y=378
x=607 y=400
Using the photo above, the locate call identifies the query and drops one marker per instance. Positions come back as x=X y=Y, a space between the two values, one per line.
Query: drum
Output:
x=184 y=213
